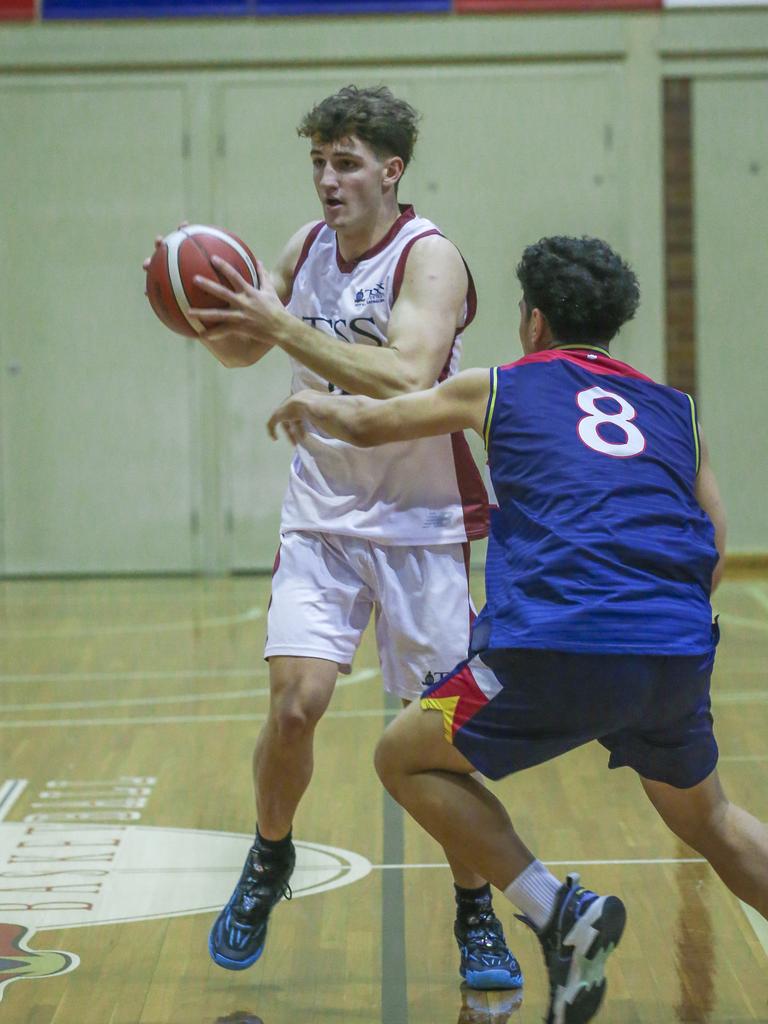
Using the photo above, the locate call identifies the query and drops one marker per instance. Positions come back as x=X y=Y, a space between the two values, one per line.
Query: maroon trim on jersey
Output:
x=592 y=361
x=474 y=500
x=397 y=279
x=347 y=266
x=465 y=549
x=471 y=296
x=314 y=231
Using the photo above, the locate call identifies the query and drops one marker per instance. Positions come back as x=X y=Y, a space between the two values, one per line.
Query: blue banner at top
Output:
x=51 y=9
x=146 y=8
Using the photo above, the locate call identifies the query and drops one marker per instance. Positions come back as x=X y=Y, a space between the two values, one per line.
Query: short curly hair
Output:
x=377 y=117
x=584 y=289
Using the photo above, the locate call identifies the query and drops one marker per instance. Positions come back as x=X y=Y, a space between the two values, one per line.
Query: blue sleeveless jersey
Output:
x=598 y=543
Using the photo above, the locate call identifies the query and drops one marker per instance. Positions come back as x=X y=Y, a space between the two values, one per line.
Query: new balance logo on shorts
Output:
x=434 y=677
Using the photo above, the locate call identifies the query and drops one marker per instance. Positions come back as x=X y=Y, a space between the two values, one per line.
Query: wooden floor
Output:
x=129 y=710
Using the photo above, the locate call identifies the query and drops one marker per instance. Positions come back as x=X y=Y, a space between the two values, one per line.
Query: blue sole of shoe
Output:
x=492 y=979
x=232 y=965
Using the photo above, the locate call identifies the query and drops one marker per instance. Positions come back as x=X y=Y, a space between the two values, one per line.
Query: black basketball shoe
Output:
x=240 y=931
x=486 y=963
x=576 y=941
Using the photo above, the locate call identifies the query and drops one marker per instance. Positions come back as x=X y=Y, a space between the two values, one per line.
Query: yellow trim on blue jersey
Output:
x=491 y=405
x=695 y=422
x=447 y=705
x=588 y=348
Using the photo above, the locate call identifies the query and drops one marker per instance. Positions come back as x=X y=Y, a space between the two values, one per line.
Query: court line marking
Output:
x=739 y=620
x=68 y=723
x=105 y=677
x=10 y=791
x=64 y=723
x=188 y=698
x=759 y=924
x=758 y=592
x=565 y=863
x=250 y=615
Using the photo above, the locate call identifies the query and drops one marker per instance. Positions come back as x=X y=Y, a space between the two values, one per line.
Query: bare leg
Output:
x=300 y=690
x=733 y=841
x=433 y=782
x=462 y=875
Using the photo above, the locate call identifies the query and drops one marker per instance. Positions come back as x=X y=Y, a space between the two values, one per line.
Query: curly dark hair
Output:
x=373 y=114
x=584 y=289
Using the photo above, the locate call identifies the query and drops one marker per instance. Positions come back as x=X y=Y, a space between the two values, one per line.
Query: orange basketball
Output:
x=176 y=262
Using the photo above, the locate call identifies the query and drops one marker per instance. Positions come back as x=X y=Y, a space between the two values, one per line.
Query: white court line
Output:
x=163 y=627
x=741 y=697
x=68 y=723
x=189 y=698
x=564 y=863
x=759 y=925
x=738 y=620
x=10 y=791
x=110 y=677
x=759 y=593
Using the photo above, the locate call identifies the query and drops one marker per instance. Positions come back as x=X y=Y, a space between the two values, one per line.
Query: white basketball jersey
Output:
x=419 y=492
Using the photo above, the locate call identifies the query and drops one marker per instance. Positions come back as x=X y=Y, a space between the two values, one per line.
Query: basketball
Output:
x=176 y=262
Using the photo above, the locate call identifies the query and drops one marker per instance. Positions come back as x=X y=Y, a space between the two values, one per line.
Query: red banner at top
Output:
x=21 y=10
x=532 y=6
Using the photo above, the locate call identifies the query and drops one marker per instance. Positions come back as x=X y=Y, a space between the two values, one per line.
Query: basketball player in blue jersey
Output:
x=370 y=300
x=606 y=543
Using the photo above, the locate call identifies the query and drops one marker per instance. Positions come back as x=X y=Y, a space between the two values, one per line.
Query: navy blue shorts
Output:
x=651 y=712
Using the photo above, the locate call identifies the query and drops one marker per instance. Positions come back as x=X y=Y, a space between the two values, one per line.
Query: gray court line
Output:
x=10 y=791
x=394 y=977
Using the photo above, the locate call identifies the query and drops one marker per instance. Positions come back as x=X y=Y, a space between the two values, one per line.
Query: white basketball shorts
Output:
x=325 y=587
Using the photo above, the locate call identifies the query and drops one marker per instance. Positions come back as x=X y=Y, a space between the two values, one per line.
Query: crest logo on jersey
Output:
x=369 y=296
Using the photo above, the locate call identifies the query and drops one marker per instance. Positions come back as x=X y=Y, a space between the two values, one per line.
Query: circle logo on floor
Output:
x=56 y=876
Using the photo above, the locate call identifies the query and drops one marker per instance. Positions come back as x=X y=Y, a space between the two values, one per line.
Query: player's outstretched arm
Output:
x=708 y=496
x=459 y=403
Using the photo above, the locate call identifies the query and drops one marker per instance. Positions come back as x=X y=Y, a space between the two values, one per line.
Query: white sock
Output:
x=534 y=891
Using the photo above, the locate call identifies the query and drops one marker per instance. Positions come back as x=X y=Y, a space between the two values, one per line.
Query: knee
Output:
x=294 y=721
x=701 y=831
x=388 y=761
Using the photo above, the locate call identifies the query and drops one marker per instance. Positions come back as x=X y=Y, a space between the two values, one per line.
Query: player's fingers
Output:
x=232 y=275
x=215 y=288
x=217 y=316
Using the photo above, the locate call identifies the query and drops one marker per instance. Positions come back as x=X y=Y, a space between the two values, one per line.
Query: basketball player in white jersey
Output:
x=371 y=300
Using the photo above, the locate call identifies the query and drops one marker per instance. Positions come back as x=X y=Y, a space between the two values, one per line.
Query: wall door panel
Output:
x=95 y=395
x=730 y=175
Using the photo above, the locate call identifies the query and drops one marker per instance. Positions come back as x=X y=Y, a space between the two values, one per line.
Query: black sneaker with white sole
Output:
x=583 y=931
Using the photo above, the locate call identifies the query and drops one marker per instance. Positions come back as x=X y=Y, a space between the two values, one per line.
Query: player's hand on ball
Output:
x=255 y=312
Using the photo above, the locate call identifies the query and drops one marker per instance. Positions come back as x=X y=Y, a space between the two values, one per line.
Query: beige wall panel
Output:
x=94 y=392
x=504 y=157
x=731 y=228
